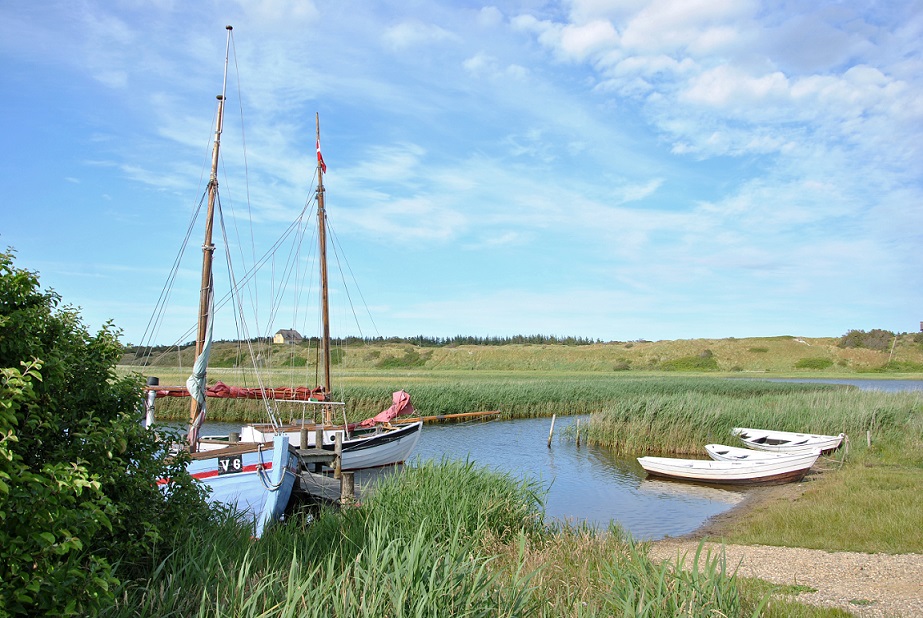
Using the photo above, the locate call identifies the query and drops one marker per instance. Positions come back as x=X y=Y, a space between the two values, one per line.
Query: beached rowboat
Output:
x=720 y=452
x=757 y=472
x=786 y=441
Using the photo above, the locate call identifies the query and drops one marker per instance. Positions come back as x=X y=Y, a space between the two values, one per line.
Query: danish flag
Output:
x=320 y=158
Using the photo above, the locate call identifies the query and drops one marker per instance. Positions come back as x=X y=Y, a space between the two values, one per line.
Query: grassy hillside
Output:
x=779 y=355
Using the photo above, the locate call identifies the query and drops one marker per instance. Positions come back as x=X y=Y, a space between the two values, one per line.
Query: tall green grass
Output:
x=445 y=539
x=515 y=395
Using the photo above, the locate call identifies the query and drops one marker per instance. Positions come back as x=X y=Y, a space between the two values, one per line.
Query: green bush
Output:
x=813 y=363
x=705 y=361
x=901 y=367
x=78 y=473
x=411 y=358
x=875 y=339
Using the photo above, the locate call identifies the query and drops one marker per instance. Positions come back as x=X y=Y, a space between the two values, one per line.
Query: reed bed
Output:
x=445 y=539
x=682 y=422
x=514 y=394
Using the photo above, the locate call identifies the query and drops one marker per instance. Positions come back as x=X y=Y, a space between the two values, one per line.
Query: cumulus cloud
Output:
x=415 y=33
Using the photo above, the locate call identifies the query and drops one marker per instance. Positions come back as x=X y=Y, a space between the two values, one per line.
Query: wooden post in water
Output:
x=347 y=489
x=578 y=432
x=318 y=436
x=303 y=438
x=338 y=450
x=233 y=437
x=868 y=433
x=551 y=433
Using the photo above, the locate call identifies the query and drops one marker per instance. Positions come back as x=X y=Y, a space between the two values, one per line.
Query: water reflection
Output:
x=667 y=489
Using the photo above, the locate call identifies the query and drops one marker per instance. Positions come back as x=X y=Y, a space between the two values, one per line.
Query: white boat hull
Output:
x=787 y=441
x=382 y=449
x=757 y=472
x=721 y=452
x=255 y=479
x=364 y=449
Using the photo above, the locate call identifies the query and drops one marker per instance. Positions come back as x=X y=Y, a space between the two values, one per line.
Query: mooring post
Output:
x=233 y=437
x=303 y=438
x=338 y=450
x=347 y=488
x=551 y=433
x=149 y=401
x=578 y=432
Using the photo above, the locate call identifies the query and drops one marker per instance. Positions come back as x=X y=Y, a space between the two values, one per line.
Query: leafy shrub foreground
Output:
x=79 y=504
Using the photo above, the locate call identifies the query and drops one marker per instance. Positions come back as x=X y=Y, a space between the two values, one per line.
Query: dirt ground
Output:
x=862 y=584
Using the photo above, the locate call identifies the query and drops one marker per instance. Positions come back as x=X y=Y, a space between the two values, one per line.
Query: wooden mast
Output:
x=325 y=300
x=208 y=249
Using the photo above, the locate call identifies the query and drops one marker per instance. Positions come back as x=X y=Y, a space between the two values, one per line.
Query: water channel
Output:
x=586 y=484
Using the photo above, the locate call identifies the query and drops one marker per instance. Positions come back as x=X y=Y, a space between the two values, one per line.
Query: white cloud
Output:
x=490 y=17
x=414 y=34
x=579 y=42
x=728 y=87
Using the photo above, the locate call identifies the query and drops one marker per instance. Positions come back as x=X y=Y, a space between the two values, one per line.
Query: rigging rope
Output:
x=242 y=326
x=157 y=317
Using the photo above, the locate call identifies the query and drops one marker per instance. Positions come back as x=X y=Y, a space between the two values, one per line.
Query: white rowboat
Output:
x=756 y=472
x=720 y=452
x=786 y=441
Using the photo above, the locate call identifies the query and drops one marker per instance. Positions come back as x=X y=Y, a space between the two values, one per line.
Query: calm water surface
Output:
x=891 y=386
x=584 y=484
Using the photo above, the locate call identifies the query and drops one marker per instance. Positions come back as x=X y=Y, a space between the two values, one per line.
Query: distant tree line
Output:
x=448 y=342
x=422 y=341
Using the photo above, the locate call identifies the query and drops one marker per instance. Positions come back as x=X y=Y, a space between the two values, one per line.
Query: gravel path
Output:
x=862 y=584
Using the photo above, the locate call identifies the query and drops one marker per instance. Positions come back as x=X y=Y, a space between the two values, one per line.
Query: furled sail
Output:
x=195 y=384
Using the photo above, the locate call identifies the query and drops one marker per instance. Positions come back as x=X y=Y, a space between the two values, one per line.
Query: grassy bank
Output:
x=416 y=549
x=867 y=505
x=764 y=355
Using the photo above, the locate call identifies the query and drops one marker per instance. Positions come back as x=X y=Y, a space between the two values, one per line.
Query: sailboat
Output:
x=373 y=443
x=255 y=479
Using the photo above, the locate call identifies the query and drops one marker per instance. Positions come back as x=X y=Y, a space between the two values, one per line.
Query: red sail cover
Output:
x=223 y=391
x=400 y=407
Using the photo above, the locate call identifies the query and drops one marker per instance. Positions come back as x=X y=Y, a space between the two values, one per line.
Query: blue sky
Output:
x=619 y=170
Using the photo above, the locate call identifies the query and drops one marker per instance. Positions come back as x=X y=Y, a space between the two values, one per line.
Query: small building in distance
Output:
x=287 y=336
